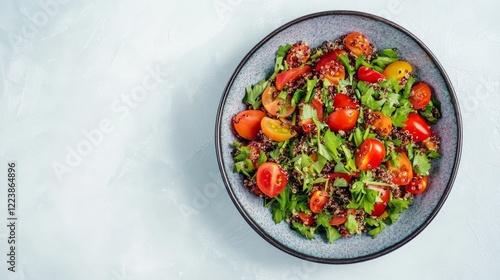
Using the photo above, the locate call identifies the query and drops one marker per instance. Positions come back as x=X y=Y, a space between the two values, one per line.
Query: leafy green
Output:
x=432 y=111
x=421 y=164
x=242 y=162
x=385 y=57
x=401 y=114
x=377 y=226
x=297 y=96
x=352 y=224
x=310 y=84
x=340 y=182
x=332 y=144
x=279 y=65
x=332 y=233
x=348 y=67
x=396 y=206
x=306 y=231
x=252 y=94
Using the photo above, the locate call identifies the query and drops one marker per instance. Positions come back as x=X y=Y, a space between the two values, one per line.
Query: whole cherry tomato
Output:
x=370 y=154
x=417 y=127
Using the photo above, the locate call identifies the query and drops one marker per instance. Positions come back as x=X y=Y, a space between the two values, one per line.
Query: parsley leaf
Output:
x=385 y=57
x=396 y=206
x=377 y=224
x=310 y=84
x=332 y=233
x=340 y=182
x=401 y=114
x=350 y=69
x=297 y=96
x=432 y=111
x=252 y=94
x=352 y=224
x=421 y=164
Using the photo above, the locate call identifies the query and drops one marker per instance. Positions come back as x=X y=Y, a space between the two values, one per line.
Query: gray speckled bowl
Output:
x=315 y=29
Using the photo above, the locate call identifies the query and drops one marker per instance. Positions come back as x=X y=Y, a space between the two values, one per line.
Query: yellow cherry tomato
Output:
x=397 y=69
x=276 y=130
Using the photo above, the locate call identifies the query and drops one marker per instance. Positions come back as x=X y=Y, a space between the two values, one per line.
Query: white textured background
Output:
x=144 y=199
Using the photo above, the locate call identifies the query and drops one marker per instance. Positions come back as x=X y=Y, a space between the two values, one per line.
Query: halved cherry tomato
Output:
x=403 y=172
x=370 y=154
x=385 y=196
x=276 y=130
x=397 y=70
x=274 y=105
x=417 y=185
x=335 y=175
x=289 y=75
x=298 y=55
x=318 y=201
x=357 y=44
x=333 y=72
x=247 y=123
x=417 y=127
x=369 y=75
x=308 y=124
x=420 y=95
x=271 y=178
x=254 y=153
x=343 y=119
x=329 y=57
x=306 y=219
x=342 y=218
x=343 y=101
x=380 y=122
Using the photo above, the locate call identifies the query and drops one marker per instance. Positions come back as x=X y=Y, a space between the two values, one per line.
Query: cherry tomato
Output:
x=298 y=55
x=403 y=172
x=308 y=124
x=343 y=119
x=370 y=154
x=341 y=218
x=254 y=153
x=276 y=130
x=289 y=75
x=420 y=95
x=271 y=178
x=380 y=122
x=333 y=71
x=398 y=70
x=327 y=58
x=357 y=44
x=318 y=201
x=417 y=127
x=417 y=185
x=274 y=105
x=369 y=75
x=306 y=219
x=343 y=101
x=385 y=196
x=247 y=123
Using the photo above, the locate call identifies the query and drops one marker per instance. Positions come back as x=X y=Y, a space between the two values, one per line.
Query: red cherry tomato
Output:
x=271 y=178
x=318 y=201
x=247 y=123
x=343 y=101
x=343 y=119
x=417 y=127
x=298 y=55
x=417 y=185
x=357 y=44
x=385 y=196
x=327 y=58
x=306 y=219
x=333 y=71
x=289 y=75
x=369 y=75
x=403 y=173
x=342 y=218
x=420 y=95
x=308 y=124
x=276 y=130
x=370 y=154
x=276 y=106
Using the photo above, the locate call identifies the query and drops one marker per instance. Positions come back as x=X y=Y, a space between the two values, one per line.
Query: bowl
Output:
x=315 y=29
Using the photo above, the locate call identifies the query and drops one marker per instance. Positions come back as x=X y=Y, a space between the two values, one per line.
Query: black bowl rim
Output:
x=249 y=219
